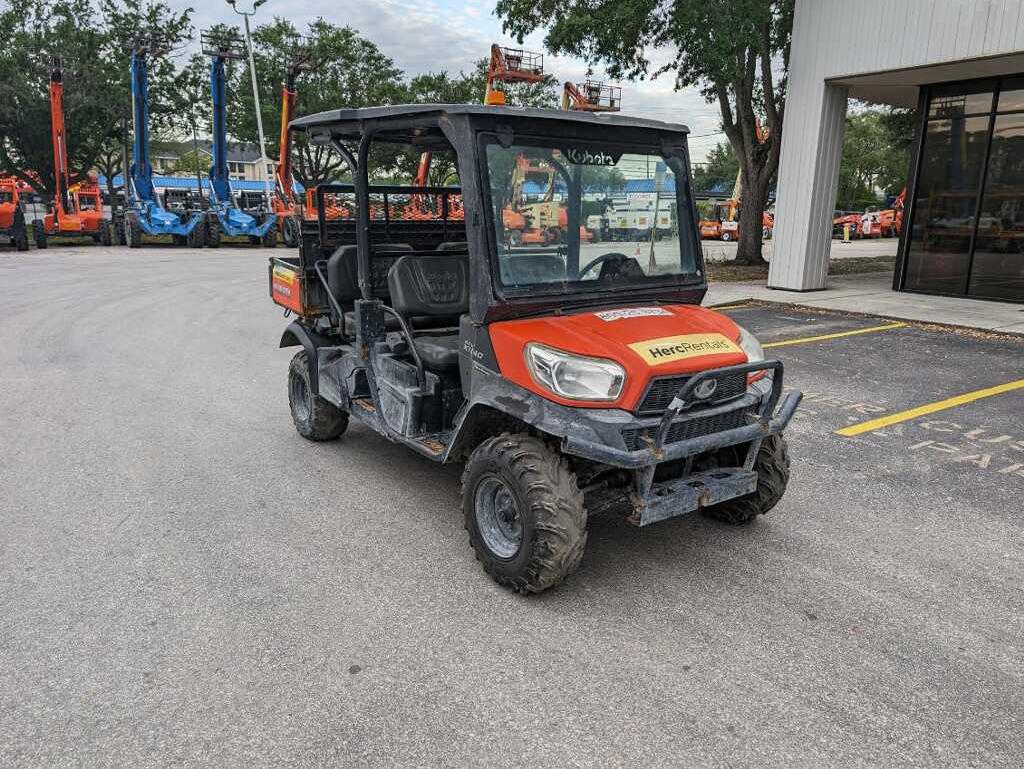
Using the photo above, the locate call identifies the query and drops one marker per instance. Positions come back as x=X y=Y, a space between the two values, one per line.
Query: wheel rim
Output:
x=498 y=517
x=300 y=398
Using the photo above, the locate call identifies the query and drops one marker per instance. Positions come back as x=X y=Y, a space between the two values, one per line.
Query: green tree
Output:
x=36 y=31
x=347 y=71
x=127 y=24
x=733 y=52
x=876 y=154
x=718 y=171
x=94 y=42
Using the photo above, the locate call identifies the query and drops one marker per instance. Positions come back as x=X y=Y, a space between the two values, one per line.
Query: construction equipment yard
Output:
x=187 y=581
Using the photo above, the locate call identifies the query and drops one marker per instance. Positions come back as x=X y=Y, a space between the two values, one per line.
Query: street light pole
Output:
x=255 y=93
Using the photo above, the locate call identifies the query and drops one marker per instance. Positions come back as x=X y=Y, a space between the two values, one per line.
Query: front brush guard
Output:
x=656 y=502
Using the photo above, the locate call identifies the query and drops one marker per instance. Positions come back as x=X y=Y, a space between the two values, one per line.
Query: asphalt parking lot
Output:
x=185 y=581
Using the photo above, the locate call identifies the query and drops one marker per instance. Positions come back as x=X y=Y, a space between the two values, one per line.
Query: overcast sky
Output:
x=432 y=35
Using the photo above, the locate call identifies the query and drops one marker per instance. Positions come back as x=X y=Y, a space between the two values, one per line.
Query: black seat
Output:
x=453 y=245
x=436 y=287
x=343 y=270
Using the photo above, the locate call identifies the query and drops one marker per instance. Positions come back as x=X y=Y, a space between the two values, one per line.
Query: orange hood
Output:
x=645 y=341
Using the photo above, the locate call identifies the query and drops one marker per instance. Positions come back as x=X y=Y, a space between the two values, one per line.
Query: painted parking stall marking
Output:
x=836 y=335
x=929 y=408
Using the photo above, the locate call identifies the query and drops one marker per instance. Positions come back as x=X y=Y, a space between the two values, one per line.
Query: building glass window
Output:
x=966 y=233
x=998 y=269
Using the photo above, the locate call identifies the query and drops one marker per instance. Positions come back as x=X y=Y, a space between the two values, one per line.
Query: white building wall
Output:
x=845 y=38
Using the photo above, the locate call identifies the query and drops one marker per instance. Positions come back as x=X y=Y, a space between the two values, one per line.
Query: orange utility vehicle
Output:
x=571 y=383
x=12 y=215
x=77 y=209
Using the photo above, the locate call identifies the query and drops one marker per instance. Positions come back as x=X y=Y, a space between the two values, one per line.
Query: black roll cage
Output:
x=462 y=128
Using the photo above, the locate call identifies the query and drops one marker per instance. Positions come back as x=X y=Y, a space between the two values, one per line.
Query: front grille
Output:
x=684 y=429
x=661 y=391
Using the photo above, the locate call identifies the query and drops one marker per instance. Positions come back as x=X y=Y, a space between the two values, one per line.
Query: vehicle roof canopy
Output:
x=417 y=123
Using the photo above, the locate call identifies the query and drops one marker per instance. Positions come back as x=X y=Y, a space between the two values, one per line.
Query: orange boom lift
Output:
x=283 y=203
x=591 y=96
x=77 y=210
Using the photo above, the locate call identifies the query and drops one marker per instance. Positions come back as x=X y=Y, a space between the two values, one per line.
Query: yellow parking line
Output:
x=837 y=335
x=929 y=408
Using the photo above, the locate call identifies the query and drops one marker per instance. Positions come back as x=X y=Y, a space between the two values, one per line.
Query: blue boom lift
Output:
x=143 y=211
x=225 y=217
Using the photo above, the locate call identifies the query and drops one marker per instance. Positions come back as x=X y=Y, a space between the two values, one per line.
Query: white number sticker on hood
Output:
x=631 y=312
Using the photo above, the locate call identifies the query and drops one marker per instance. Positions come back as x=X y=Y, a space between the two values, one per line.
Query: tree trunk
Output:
x=751 y=224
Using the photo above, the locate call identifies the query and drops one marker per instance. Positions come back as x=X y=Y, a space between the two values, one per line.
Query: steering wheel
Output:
x=601 y=260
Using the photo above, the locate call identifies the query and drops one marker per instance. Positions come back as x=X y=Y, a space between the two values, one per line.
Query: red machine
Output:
x=511 y=65
x=591 y=96
x=12 y=215
x=77 y=210
x=283 y=202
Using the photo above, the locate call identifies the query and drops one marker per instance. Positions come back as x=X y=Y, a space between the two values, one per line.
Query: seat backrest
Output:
x=430 y=285
x=343 y=269
x=527 y=269
x=453 y=245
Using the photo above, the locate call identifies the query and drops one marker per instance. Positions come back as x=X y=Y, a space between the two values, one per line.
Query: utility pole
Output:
x=264 y=162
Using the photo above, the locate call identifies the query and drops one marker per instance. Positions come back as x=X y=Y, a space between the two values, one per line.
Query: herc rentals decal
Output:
x=672 y=348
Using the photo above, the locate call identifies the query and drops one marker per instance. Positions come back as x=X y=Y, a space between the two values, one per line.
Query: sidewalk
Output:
x=872 y=293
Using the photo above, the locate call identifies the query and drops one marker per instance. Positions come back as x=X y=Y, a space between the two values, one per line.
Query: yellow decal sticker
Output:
x=671 y=348
x=286 y=275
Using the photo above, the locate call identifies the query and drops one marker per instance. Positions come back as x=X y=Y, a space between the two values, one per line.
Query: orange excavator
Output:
x=591 y=96
x=283 y=202
x=77 y=210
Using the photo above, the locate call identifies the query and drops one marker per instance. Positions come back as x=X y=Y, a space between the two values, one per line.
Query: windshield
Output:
x=574 y=217
x=6 y=196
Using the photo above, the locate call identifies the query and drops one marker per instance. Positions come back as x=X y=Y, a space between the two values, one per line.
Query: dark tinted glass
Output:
x=947 y=192
x=957 y=100
x=1011 y=95
x=998 y=270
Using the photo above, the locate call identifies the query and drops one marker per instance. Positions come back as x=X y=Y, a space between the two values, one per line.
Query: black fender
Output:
x=297 y=334
x=502 y=404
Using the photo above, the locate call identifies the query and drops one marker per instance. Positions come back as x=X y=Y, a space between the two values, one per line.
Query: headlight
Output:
x=749 y=344
x=574 y=376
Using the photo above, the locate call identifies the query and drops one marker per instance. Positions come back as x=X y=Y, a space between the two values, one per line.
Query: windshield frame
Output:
x=675 y=156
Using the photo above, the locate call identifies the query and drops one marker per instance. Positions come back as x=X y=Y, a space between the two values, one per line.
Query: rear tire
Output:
x=314 y=418
x=290 y=232
x=726 y=236
x=196 y=237
x=39 y=233
x=270 y=239
x=212 y=232
x=105 y=237
x=772 y=467
x=524 y=512
x=132 y=231
x=20 y=233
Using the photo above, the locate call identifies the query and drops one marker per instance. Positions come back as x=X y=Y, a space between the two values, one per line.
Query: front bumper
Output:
x=750 y=419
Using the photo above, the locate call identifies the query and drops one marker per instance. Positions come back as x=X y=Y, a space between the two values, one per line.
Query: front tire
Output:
x=772 y=467
x=270 y=239
x=196 y=236
x=132 y=231
x=39 y=233
x=212 y=232
x=314 y=418
x=105 y=237
x=524 y=513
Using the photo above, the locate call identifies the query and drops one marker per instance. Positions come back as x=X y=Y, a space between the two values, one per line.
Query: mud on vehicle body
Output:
x=573 y=378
